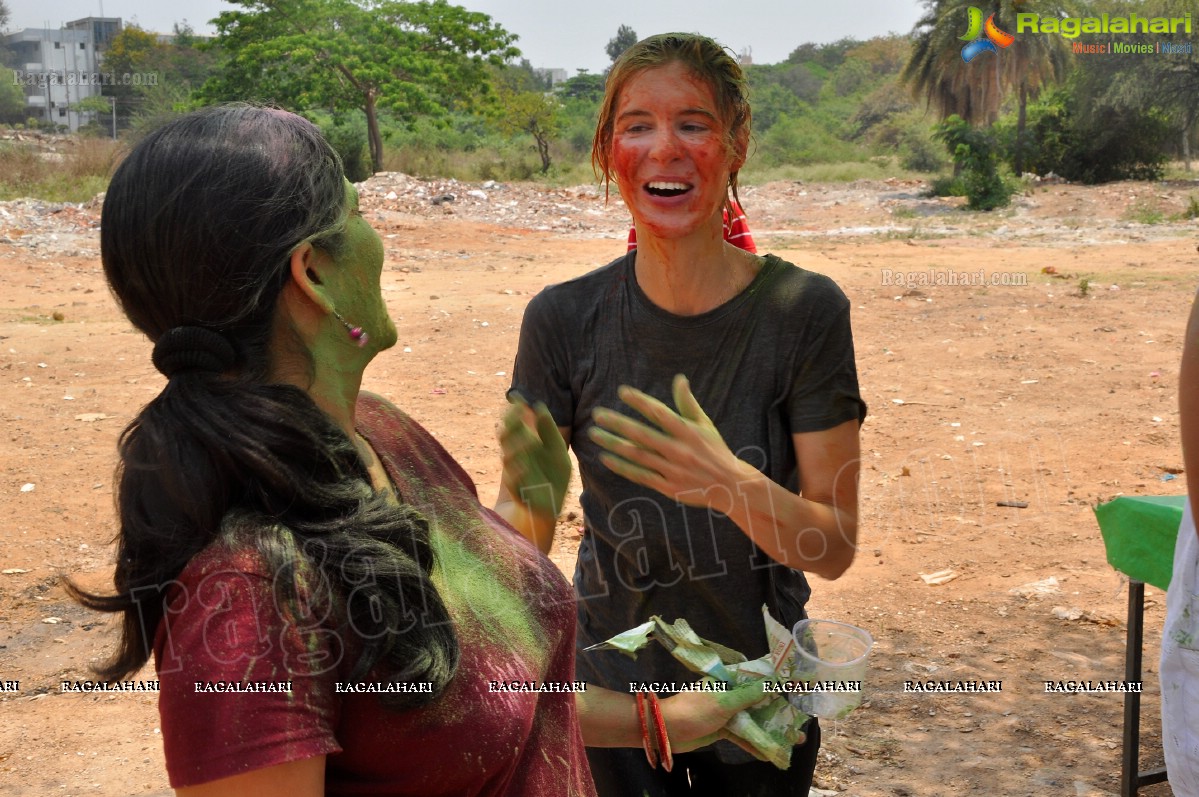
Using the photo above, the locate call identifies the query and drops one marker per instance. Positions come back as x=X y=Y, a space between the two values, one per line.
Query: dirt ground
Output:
x=1031 y=390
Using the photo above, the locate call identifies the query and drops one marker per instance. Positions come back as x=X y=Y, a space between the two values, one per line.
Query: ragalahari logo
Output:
x=982 y=38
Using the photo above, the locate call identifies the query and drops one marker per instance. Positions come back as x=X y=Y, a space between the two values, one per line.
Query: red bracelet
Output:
x=662 y=738
x=647 y=742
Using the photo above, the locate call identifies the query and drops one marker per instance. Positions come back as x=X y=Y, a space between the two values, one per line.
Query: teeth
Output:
x=669 y=186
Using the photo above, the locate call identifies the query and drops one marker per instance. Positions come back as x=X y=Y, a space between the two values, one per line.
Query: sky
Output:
x=569 y=34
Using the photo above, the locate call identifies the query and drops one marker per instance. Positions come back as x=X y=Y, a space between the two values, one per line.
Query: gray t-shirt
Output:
x=775 y=360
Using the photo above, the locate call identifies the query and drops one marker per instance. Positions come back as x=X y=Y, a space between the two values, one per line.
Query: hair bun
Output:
x=184 y=349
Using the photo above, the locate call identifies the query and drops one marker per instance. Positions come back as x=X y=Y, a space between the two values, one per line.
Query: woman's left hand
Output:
x=684 y=457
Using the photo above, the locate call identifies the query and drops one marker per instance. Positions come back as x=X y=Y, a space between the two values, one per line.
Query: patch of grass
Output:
x=756 y=173
x=947 y=185
x=1175 y=171
x=1191 y=211
x=1144 y=212
x=76 y=174
x=1084 y=287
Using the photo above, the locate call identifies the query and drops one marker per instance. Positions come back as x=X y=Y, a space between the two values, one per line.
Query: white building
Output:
x=57 y=68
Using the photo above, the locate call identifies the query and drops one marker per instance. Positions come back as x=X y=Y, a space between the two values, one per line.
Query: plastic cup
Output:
x=830 y=660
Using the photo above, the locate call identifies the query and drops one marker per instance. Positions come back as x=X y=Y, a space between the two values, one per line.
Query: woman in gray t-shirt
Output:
x=711 y=398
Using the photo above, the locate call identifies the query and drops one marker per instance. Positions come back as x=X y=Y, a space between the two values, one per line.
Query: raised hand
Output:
x=680 y=455
x=536 y=463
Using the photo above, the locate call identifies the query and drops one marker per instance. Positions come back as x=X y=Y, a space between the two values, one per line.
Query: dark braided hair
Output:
x=197 y=230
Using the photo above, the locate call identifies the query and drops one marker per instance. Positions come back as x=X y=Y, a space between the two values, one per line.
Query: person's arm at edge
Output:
x=1188 y=405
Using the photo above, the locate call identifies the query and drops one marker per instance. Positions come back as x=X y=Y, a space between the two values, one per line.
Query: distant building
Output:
x=555 y=76
x=57 y=68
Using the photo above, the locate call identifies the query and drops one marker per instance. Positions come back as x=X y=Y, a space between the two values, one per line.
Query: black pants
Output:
x=624 y=772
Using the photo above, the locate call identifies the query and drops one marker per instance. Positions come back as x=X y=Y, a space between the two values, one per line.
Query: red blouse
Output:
x=513 y=614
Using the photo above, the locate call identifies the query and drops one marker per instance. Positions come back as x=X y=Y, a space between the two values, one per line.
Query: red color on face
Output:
x=669 y=154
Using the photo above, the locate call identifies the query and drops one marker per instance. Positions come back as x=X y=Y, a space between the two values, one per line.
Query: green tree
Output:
x=12 y=102
x=583 y=86
x=974 y=91
x=184 y=63
x=1166 y=85
x=131 y=51
x=975 y=154
x=625 y=38
x=532 y=112
x=12 y=98
x=412 y=59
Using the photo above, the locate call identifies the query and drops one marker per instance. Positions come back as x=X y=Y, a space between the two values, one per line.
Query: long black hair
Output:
x=197 y=230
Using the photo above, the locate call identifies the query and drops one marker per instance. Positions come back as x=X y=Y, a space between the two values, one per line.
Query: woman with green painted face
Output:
x=711 y=398
x=329 y=608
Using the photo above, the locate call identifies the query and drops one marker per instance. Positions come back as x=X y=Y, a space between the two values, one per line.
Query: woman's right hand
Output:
x=697 y=719
x=536 y=471
x=536 y=463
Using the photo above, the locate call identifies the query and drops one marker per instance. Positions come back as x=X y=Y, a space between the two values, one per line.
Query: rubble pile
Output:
x=525 y=205
x=1054 y=214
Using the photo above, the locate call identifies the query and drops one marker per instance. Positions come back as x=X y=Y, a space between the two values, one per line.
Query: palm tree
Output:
x=976 y=90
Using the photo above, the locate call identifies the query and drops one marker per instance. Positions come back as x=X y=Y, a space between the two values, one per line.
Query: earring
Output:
x=358 y=334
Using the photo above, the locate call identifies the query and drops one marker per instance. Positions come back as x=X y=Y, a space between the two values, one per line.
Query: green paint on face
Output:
x=352 y=286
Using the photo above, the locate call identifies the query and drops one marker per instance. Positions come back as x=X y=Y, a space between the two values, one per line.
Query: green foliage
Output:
x=850 y=77
x=1192 y=209
x=975 y=91
x=625 y=38
x=583 y=86
x=411 y=59
x=1074 y=134
x=918 y=151
x=803 y=140
x=772 y=103
x=878 y=108
x=829 y=56
x=768 y=82
x=1145 y=212
x=346 y=133
x=947 y=185
x=976 y=158
x=533 y=112
x=12 y=102
x=166 y=74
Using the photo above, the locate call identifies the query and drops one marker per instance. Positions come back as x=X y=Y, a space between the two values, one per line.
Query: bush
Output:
x=918 y=151
x=947 y=186
x=976 y=158
x=1090 y=144
x=802 y=141
x=349 y=140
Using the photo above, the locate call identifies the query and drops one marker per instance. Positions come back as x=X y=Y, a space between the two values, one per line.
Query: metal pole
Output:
x=114 y=118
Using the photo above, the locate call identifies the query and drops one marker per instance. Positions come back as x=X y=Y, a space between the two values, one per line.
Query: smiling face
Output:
x=670 y=153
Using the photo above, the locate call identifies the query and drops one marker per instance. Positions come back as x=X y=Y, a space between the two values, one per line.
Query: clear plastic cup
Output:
x=830 y=662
